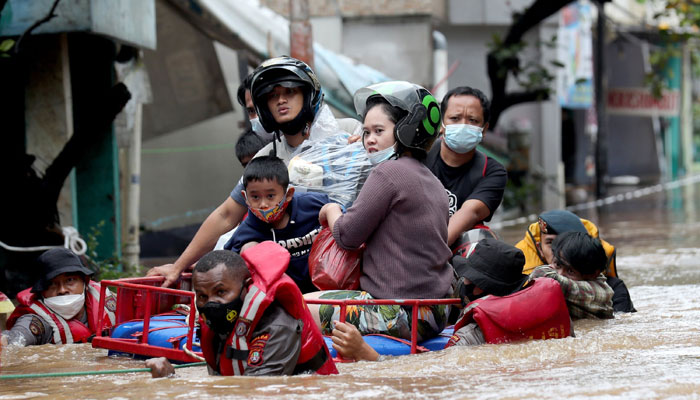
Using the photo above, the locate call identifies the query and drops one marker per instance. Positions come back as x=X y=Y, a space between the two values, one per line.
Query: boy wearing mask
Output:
x=277 y=213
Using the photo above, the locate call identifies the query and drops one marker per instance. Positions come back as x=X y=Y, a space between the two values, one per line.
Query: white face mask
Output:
x=462 y=138
x=67 y=306
x=259 y=130
x=380 y=156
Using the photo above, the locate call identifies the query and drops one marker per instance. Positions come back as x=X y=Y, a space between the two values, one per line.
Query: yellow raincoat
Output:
x=532 y=254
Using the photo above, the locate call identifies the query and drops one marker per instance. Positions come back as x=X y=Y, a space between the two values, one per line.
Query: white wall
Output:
x=399 y=47
x=181 y=187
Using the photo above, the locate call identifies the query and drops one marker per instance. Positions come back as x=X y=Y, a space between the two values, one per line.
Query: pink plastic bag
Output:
x=332 y=267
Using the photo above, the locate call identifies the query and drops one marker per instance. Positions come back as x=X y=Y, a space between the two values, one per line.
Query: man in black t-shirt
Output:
x=474 y=182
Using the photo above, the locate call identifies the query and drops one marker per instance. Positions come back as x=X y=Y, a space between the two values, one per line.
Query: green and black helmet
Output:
x=421 y=125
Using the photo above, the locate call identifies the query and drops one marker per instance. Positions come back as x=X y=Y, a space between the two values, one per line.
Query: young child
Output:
x=276 y=213
x=247 y=145
x=578 y=261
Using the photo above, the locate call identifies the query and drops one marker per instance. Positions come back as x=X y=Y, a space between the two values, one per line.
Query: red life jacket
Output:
x=71 y=331
x=536 y=312
x=267 y=262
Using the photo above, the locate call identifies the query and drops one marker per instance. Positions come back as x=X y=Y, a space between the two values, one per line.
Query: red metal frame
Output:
x=415 y=303
x=150 y=286
x=141 y=346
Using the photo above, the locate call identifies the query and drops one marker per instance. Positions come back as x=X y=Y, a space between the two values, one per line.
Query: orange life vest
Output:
x=267 y=262
x=72 y=330
x=536 y=312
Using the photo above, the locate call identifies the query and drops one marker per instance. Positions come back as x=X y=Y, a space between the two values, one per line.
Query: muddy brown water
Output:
x=654 y=353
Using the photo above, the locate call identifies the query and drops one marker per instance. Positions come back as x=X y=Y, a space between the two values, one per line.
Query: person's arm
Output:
x=584 y=298
x=481 y=202
x=223 y=219
x=348 y=342
x=469 y=214
x=468 y=335
x=329 y=213
x=29 y=330
x=160 y=367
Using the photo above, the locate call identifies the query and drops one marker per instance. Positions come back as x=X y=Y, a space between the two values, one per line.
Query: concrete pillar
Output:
x=301 y=42
x=97 y=174
x=687 y=111
x=547 y=153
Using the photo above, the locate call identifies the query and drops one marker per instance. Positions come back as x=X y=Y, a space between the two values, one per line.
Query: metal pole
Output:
x=242 y=57
x=132 y=248
x=601 y=149
x=300 y=36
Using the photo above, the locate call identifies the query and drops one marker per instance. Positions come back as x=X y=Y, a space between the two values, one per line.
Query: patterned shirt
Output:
x=585 y=299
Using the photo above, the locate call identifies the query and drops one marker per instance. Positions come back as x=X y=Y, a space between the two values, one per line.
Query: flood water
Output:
x=654 y=353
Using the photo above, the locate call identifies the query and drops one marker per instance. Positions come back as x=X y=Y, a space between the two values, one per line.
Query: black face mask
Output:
x=221 y=317
x=466 y=292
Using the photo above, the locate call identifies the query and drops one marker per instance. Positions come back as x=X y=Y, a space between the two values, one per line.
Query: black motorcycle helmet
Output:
x=285 y=71
x=420 y=127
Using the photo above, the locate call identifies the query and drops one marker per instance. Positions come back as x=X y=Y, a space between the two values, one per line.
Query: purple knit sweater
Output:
x=401 y=215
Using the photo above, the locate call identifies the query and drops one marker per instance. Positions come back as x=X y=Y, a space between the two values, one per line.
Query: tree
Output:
x=28 y=206
x=504 y=59
x=687 y=15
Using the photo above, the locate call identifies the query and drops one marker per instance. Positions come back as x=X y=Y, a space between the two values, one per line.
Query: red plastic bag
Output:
x=332 y=267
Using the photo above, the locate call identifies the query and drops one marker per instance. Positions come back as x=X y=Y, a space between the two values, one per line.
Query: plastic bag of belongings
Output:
x=331 y=166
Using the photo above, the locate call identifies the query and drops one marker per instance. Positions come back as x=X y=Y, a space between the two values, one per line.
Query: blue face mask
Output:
x=462 y=138
x=380 y=156
x=259 y=130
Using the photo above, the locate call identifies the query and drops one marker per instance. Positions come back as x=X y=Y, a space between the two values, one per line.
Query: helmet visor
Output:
x=284 y=81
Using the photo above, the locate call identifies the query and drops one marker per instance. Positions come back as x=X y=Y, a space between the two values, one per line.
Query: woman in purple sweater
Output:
x=401 y=216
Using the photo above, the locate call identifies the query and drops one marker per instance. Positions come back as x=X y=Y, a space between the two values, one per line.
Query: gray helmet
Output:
x=419 y=128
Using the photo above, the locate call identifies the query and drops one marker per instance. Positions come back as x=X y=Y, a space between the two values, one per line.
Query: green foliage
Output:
x=687 y=13
x=519 y=196
x=531 y=75
x=5 y=47
x=110 y=268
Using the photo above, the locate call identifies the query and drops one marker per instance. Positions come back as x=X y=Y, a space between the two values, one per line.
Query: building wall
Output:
x=471 y=27
x=188 y=172
x=46 y=111
x=362 y=8
x=399 y=47
x=631 y=139
x=132 y=22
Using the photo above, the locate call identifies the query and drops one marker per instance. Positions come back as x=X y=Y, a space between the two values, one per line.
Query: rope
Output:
x=72 y=241
x=191 y=353
x=633 y=194
x=103 y=372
